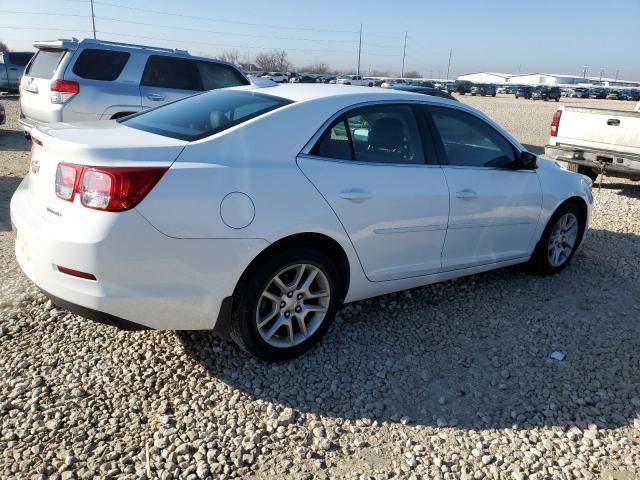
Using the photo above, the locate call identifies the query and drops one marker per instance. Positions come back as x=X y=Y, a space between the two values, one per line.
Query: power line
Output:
x=21 y=12
x=217 y=20
x=46 y=28
x=189 y=29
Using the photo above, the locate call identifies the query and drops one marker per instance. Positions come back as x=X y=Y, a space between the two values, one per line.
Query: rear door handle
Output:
x=467 y=193
x=613 y=122
x=154 y=97
x=13 y=68
x=355 y=195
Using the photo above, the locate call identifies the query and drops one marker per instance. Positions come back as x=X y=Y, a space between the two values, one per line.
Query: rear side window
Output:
x=19 y=59
x=200 y=116
x=94 y=64
x=171 y=72
x=45 y=63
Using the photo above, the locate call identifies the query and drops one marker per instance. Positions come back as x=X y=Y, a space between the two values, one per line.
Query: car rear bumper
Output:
x=144 y=279
x=607 y=161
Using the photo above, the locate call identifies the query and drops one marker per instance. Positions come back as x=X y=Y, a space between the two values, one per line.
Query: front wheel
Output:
x=286 y=304
x=559 y=241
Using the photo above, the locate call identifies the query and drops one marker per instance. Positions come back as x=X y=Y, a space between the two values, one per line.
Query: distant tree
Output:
x=412 y=74
x=276 y=61
x=3 y=46
x=379 y=73
x=318 y=68
x=231 y=56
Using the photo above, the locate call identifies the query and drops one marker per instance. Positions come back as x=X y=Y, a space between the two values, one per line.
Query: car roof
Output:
x=313 y=91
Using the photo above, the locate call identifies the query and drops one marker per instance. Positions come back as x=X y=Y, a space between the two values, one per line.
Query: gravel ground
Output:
x=448 y=381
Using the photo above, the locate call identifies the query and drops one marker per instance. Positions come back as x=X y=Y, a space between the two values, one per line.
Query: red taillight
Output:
x=64 y=86
x=76 y=273
x=63 y=90
x=113 y=189
x=67 y=176
x=555 y=123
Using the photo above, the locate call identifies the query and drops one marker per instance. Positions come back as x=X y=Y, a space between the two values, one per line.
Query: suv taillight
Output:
x=555 y=123
x=63 y=90
x=113 y=189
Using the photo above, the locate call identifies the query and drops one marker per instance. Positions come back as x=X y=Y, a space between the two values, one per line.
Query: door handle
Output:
x=13 y=68
x=614 y=122
x=355 y=196
x=467 y=193
x=154 y=97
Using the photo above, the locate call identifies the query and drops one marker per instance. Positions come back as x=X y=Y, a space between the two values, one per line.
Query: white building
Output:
x=546 y=79
x=486 y=77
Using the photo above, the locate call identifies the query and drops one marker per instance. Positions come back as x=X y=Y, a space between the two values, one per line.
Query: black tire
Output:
x=517 y=97
x=589 y=172
x=244 y=330
x=539 y=262
x=557 y=99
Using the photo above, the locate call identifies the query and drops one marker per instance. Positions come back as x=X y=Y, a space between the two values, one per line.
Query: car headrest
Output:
x=387 y=133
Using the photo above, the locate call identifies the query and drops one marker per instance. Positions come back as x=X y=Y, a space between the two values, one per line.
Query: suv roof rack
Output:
x=134 y=45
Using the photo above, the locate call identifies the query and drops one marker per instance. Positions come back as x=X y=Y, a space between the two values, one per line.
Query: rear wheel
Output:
x=559 y=241
x=286 y=304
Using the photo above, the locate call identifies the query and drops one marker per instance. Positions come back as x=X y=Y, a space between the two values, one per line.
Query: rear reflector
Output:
x=63 y=90
x=113 y=189
x=76 y=273
x=555 y=123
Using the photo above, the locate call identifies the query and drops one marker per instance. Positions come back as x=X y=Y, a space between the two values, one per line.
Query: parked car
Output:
x=451 y=87
x=463 y=86
x=579 y=92
x=599 y=93
x=304 y=79
x=633 y=95
x=546 y=93
x=277 y=77
x=502 y=89
x=3 y=115
x=593 y=141
x=168 y=219
x=614 y=95
x=436 y=92
x=483 y=89
x=524 y=92
x=70 y=80
x=11 y=68
x=354 y=80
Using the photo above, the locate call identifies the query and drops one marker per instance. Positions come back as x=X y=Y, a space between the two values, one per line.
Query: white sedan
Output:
x=257 y=212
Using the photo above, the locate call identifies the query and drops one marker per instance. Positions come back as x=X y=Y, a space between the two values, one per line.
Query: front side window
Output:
x=96 y=64
x=19 y=59
x=171 y=72
x=200 y=116
x=217 y=75
x=470 y=142
x=376 y=134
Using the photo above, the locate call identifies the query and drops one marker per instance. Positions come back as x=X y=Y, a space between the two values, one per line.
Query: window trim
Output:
x=344 y=113
x=439 y=144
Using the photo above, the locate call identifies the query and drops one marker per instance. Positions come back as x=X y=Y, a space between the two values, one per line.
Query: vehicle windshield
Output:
x=205 y=114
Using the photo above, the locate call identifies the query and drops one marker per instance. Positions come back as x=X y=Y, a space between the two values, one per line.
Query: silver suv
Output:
x=71 y=80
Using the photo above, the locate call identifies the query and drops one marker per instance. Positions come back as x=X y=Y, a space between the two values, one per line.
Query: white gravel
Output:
x=451 y=381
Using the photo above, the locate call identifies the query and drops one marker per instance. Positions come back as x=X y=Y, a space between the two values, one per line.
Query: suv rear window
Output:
x=200 y=116
x=45 y=63
x=187 y=74
x=94 y=64
x=19 y=59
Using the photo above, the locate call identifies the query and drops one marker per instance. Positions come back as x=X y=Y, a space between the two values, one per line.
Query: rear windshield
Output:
x=202 y=115
x=45 y=63
x=19 y=59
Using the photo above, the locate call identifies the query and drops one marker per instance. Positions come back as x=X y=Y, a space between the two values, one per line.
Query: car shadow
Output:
x=8 y=185
x=473 y=352
x=631 y=189
x=13 y=141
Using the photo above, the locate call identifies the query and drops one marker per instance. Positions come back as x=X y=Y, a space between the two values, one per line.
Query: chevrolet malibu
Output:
x=256 y=212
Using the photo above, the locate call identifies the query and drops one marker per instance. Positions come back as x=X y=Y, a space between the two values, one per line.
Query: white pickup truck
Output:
x=354 y=80
x=595 y=141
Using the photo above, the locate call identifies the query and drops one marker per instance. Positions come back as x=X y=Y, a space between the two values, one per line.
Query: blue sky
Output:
x=492 y=35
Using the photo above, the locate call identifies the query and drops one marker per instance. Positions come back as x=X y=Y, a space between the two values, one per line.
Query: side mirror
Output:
x=527 y=161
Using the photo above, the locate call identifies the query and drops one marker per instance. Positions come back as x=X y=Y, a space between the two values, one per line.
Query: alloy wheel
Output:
x=562 y=240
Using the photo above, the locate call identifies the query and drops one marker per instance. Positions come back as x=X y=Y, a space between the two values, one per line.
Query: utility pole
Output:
x=93 y=20
x=601 y=73
x=584 y=71
x=449 y=66
x=404 y=54
x=617 y=73
x=359 y=50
